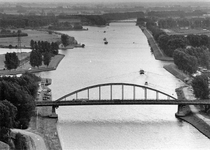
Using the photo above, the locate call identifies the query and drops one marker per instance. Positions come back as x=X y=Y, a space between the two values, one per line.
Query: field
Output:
x=32 y=35
x=187 y=31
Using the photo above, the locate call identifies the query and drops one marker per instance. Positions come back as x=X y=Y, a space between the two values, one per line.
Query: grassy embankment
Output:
x=191 y=117
x=159 y=55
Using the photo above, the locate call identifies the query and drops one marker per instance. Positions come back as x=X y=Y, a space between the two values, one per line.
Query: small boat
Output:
x=105 y=42
x=104 y=39
x=141 y=71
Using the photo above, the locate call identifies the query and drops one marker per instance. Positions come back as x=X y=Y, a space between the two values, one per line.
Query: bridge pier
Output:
x=181 y=112
x=53 y=114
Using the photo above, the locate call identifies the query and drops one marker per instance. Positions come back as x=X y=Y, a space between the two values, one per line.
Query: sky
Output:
x=103 y=1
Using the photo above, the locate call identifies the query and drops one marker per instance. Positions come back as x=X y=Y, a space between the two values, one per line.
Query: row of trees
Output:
x=168 y=23
x=9 y=33
x=123 y=15
x=169 y=43
x=42 y=51
x=19 y=21
x=66 y=26
x=44 y=46
x=176 y=13
x=17 y=103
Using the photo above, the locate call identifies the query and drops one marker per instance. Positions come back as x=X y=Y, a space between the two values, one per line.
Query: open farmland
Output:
x=32 y=35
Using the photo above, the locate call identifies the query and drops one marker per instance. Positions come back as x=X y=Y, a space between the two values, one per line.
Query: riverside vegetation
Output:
x=190 y=52
x=18 y=94
x=17 y=105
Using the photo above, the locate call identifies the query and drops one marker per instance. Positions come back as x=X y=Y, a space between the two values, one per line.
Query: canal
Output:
x=118 y=127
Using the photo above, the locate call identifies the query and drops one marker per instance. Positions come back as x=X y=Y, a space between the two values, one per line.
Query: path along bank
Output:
x=194 y=116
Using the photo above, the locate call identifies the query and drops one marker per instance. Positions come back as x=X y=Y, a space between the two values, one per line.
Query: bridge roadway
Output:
x=80 y=102
x=67 y=100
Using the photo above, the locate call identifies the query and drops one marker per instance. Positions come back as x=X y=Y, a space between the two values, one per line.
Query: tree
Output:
x=184 y=61
x=202 y=54
x=35 y=58
x=55 y=48
x=65 y=39
x=47 y=58
x=21 y=92
x=11 y=61
x=162 y=41
x=194 y=40
x=200 y=87
x=7 y=119
x=32 y=44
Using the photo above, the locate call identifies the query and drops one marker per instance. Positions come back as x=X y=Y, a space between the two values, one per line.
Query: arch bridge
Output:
x=119 y=94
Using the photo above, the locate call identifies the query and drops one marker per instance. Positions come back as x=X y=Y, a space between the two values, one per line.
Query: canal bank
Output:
x=159 y=55
x=41 y=125
x=194 y=115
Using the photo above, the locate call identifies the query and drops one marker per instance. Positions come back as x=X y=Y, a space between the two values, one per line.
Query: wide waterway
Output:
x=118 y=127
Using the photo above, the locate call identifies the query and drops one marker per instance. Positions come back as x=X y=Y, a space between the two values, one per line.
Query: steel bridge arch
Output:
x=115 y=84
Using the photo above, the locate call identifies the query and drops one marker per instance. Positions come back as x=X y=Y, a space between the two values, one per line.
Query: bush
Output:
x=20 y=142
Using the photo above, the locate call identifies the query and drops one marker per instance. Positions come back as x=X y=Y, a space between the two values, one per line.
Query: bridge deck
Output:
x=122 y=102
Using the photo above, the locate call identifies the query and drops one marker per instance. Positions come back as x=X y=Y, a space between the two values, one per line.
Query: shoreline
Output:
x=197 y=119
x=158 y=54
x=27 y=68
x=41 y=123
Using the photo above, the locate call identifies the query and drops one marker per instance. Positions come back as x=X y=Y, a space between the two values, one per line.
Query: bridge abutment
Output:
x=53 y=114
x=181 y=112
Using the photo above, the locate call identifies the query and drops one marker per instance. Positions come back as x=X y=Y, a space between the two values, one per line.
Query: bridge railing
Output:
x=113 y=91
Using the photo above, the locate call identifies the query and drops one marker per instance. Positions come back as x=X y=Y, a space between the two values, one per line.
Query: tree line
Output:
x=169 y=43
x=175 y=13
x=189 y=52
x=9 y=33
x=189 y=59
x=17 y=103
x=20 y=21
x=168 y=23
x=42 y=51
